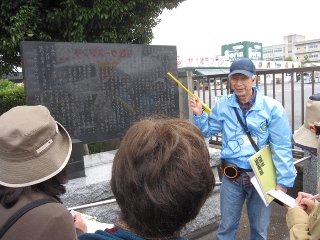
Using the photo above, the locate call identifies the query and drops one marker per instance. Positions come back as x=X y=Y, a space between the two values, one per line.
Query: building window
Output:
x=314 y=45
x=267 y=51
x=298 y=48
x=289 y=41
x=277 y=50
x=289 y=51
x=313 y=55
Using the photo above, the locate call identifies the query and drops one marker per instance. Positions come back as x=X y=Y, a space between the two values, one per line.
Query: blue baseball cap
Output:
x=244 y=66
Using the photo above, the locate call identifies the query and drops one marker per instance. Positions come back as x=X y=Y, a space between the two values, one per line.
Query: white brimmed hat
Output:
x=306 y=136
x=33 y=146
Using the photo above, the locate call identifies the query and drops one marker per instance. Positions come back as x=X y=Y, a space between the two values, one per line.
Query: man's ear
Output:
x=253 y=77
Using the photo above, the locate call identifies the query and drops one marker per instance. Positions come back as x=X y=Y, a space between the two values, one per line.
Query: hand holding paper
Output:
x=90 y=223
x=264 y=179
x=80 y=223
x=283 y=197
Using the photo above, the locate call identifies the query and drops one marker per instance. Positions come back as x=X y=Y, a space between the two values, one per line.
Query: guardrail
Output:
x=113 y=200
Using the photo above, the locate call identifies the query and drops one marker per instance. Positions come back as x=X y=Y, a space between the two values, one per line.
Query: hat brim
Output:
x=305 y=138
x=245 y=72
x=41 y=168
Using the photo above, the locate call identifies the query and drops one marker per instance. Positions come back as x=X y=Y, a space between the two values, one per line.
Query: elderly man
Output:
x=248 y=121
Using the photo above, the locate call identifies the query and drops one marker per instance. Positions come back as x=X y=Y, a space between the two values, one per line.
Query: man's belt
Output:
x=230 y=170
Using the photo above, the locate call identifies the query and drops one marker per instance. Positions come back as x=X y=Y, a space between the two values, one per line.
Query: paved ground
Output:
x=277 y=229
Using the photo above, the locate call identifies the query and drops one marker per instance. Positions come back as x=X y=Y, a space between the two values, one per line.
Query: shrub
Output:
x=104 y=146
x=11 y=95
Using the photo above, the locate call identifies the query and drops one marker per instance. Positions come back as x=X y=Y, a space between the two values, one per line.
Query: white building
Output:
x=295 y=46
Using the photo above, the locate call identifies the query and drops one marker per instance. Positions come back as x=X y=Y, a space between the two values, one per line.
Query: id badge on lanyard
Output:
x=246 y=140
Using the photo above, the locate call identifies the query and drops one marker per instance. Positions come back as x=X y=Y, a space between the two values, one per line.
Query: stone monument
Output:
x=97 y=90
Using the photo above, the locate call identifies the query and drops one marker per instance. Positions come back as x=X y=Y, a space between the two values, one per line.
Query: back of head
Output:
x=161 y=176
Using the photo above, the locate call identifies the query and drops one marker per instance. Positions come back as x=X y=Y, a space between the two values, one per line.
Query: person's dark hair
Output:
x=161 y=176
x=53 y=187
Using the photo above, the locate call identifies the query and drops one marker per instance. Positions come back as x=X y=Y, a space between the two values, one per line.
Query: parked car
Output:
x=307 y=77
x=279 y=78
x=215 y=83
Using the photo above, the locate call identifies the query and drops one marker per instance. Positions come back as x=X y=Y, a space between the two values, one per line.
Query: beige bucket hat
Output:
x=33 y=146
x=307 y=135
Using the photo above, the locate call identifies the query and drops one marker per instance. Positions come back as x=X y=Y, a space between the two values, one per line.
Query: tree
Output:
x=102 y=21
x=289 y=58
x=305 y=60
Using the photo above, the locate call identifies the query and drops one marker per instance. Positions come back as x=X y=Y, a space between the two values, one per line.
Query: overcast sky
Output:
x=200 y=27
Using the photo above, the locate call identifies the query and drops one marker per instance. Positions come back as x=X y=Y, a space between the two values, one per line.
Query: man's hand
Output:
x=283 y=189
x=196 y=106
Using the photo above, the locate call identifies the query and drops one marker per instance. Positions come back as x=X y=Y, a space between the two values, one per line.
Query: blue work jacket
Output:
x=267 y=122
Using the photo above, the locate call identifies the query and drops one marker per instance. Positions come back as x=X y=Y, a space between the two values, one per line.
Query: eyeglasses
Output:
x=241 y=78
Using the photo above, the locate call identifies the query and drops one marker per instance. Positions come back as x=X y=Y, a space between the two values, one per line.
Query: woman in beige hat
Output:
x=304 y=220
x=34 y=151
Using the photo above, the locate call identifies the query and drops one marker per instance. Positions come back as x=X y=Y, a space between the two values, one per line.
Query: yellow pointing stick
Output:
x=204 y=106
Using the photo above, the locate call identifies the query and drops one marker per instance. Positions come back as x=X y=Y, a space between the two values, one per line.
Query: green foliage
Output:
x=306 y=59
x=105 y=21
x=104 y=146
x=289 y=58
x=11 y=95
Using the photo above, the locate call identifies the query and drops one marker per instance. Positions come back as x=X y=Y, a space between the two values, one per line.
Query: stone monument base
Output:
x=75 y=166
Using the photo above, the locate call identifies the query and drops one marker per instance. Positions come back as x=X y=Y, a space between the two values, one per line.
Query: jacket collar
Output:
x=258 y=104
